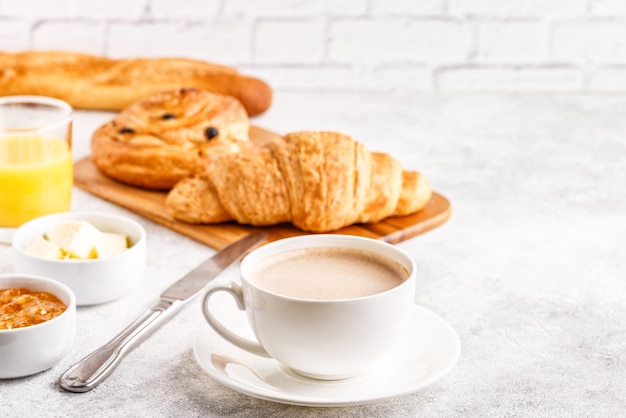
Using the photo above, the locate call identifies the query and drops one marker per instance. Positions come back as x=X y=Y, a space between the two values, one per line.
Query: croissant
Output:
x=318 y=181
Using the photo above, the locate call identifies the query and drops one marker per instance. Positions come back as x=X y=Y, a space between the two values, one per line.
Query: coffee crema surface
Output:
x=328 y=273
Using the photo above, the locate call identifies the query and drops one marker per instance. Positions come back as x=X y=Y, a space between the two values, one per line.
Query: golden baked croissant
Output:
x=319 y=181
x=94 y=82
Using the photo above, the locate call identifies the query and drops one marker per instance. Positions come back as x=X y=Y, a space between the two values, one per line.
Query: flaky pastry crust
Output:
x=319 y=181
x=158 y=141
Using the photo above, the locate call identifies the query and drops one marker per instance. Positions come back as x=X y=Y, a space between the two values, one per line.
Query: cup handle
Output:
x=232 y=288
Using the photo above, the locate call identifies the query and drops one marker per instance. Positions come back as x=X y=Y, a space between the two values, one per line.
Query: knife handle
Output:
x=95 y=367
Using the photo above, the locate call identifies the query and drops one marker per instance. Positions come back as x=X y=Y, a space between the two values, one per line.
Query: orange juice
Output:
x=36 y=177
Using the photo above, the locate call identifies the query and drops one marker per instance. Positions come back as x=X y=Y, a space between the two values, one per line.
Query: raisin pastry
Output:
x=168 y=136
x=318 y=181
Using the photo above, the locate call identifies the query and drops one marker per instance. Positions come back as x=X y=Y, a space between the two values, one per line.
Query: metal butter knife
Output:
x=94 y=368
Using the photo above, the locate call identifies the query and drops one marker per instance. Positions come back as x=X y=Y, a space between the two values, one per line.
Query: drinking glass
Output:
x=36 y=170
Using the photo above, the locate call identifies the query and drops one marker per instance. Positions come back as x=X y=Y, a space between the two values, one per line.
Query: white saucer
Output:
x=428 y=351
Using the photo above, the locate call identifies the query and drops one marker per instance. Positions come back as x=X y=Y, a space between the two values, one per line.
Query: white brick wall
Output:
x=510 y=45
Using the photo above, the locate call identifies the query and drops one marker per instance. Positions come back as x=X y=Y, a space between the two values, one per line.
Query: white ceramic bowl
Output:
x=32 y=349
x=93 y=281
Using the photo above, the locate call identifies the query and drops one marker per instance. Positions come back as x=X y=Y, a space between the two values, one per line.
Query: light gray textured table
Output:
x=530 y=269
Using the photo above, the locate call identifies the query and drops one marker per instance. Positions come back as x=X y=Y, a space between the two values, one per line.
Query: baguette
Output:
x=94 y=82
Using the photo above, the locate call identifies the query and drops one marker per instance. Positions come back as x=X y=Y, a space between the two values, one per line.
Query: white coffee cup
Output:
x=319 y=338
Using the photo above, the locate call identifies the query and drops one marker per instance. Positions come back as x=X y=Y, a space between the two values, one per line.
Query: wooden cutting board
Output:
x=151 y=204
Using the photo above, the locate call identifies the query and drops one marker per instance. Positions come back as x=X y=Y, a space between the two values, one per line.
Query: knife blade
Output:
x=197 y=278
x=95 y=367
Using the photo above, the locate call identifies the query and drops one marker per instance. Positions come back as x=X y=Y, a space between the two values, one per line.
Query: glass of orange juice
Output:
x=36 y=171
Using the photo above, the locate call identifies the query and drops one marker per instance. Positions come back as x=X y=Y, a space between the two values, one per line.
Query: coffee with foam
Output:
x=328 y=273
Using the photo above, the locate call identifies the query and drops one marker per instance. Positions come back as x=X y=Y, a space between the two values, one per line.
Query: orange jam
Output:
x=23 y=307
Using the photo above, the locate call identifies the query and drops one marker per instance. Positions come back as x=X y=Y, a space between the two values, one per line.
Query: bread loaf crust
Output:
x=95 y=82
x=169 y=136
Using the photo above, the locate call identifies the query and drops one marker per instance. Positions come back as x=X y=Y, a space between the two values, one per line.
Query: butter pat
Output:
x=43 y=248
x=111 y=244
x=77 y=238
